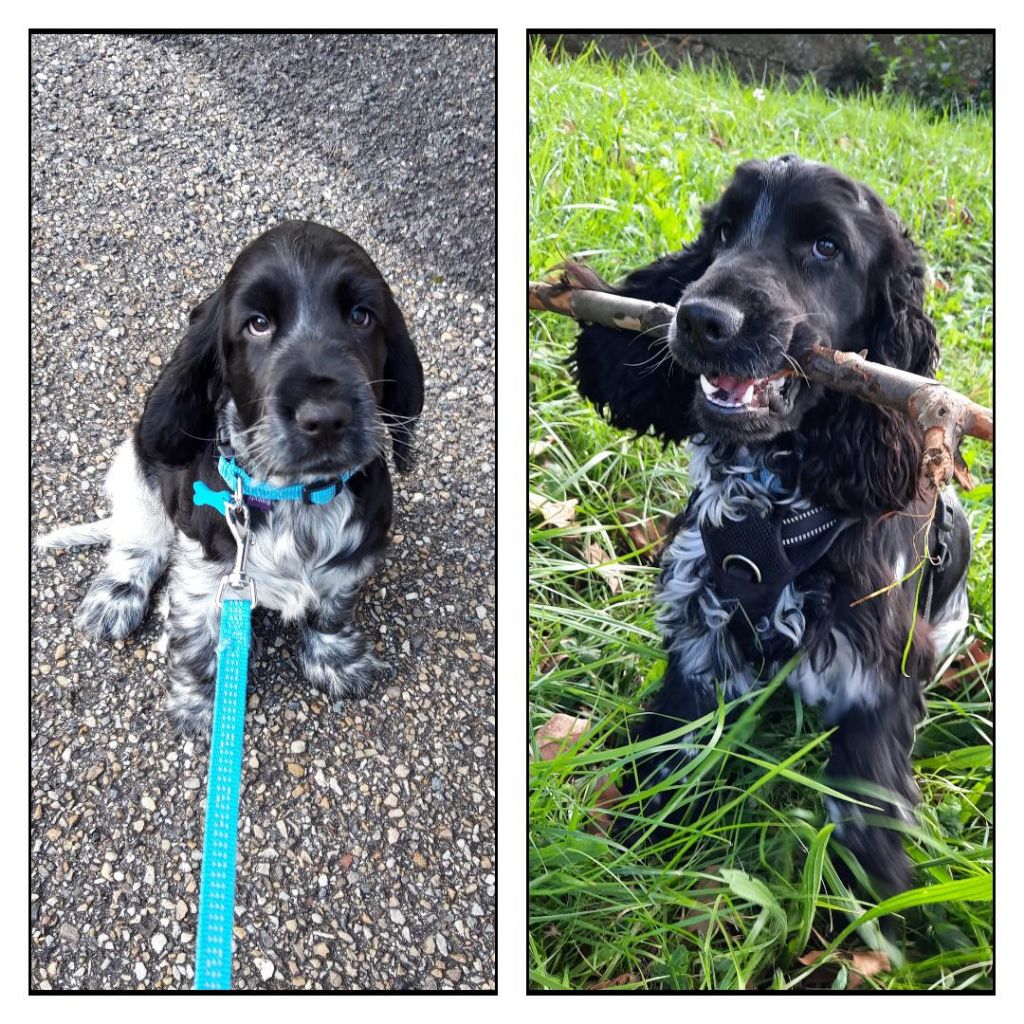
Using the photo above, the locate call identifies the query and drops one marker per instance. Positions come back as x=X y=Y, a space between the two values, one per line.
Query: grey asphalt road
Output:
x=367 y=828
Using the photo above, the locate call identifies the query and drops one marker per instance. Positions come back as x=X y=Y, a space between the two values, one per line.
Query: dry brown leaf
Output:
x=541 y=445
x=608 y=795
x=955 y=209
x=812 y=956
x=554 y=513
x=622 y=979
x=558 y=733
x=550 y=663
x=692 y=919
x=958 y=676
x=820 y=978
x=867 y=964
x=644 y=533
x=596 y=556
x=862 y=964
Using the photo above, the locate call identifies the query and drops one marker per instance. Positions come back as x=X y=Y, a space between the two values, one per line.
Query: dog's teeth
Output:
x=716 y=395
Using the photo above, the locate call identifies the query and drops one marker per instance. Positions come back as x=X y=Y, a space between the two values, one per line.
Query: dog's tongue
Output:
x=734 y=387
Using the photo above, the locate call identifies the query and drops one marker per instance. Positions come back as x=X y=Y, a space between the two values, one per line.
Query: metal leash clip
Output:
x=237 y=515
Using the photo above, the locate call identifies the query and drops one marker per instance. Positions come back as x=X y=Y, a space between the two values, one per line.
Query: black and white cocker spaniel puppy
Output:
x=295 y=371
x=803 y=501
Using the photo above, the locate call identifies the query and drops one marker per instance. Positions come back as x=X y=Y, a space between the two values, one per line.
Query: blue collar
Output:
x=320 y=492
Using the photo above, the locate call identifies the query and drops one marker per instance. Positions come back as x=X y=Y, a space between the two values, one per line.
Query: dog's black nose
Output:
x=708 y=324
x=321 y=417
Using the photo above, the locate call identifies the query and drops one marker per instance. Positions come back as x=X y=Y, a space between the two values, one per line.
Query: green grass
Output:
x=621 y=159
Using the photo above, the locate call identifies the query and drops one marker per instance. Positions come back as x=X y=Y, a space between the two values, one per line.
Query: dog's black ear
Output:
x=631 y=377
x=402 y=394
x=863 y=458
x=903 y=335
x=179 y=418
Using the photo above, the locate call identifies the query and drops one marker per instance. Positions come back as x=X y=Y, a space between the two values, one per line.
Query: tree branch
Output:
x=944 y=415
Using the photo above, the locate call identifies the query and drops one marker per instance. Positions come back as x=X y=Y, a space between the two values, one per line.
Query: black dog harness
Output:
x=754 y=559
x=940 y=550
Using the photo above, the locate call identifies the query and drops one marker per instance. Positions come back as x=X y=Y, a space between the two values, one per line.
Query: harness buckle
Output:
x=308 y=490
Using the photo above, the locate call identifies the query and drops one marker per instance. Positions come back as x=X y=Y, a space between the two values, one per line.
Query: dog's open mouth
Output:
x=746 y=394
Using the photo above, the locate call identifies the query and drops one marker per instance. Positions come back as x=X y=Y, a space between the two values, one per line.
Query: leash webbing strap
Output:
x=217 y=880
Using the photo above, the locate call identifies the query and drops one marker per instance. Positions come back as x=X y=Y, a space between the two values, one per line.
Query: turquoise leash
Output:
x=236 y=598
x=220 y=835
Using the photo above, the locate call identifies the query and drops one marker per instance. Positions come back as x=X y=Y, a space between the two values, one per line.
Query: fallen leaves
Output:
x=964 y=672
x=559 y=733
x=646 y=535
x=550 y=662
x=560 y=514
x=859 y=966
x=699 y=921
x=622 y=979
x=955 y=210
x=604 y=565
x=541 y=445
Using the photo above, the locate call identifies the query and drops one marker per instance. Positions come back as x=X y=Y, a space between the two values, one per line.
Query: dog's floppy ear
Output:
x=402 y=394
x=180 y=413
x=903 y=335
x=631 y=377
x=862 y=457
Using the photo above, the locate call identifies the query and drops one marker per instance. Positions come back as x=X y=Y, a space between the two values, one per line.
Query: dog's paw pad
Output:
x=111 y=609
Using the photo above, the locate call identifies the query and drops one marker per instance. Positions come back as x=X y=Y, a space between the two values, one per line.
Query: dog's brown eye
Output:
x=259 y=326
x=825 y=249
x=360 y=316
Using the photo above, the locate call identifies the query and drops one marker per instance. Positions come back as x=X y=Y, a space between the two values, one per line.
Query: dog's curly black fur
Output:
x=794 y=253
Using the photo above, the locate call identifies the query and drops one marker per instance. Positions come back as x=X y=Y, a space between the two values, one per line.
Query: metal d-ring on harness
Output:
x=939 y=558
x=755 y=557
x=236 y=598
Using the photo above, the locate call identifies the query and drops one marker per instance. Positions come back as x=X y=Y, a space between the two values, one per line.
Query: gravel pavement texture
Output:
x=366 y=828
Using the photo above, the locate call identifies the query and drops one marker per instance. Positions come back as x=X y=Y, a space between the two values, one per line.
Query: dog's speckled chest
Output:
x=297 y=557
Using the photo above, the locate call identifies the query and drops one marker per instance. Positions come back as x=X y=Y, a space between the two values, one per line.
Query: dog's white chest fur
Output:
x=291 y=554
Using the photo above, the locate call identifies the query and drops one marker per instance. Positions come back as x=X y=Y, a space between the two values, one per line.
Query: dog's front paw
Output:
x=338 y=664
x=876 y=840
x=191 y=711
x=112 y=608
